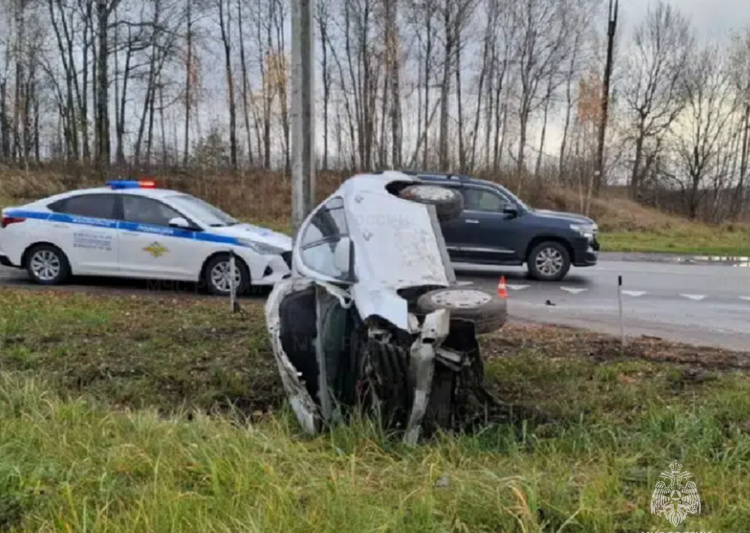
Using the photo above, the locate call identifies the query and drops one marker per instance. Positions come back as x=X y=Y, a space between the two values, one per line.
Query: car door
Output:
x=457 y=231
x=85 y=228
x=149 y=247
x=489 y=235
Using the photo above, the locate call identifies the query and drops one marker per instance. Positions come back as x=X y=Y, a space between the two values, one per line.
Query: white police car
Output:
x=132 y=229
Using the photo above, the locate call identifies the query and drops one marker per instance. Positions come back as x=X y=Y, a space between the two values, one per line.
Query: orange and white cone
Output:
x=502 y=289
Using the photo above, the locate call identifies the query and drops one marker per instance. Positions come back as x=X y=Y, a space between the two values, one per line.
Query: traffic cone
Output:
x=502 y=290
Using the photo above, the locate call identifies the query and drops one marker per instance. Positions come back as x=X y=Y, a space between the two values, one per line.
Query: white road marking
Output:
x=634 y=294
x=464 y=283
x=572 y=290
x=694 y=297
x=518 y=287
x=746 y=298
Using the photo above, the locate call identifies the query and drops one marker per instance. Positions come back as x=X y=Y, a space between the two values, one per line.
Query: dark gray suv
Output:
x=497 y=228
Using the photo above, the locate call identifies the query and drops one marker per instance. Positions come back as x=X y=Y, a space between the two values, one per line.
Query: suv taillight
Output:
x=6 y=221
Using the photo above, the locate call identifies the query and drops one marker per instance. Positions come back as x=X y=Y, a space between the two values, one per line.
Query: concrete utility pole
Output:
x=302 y=112
x=614 y=8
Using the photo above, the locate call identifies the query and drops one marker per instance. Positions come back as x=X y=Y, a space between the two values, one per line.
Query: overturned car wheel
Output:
x=386 y=382
x=448 y=203
x=487 y=312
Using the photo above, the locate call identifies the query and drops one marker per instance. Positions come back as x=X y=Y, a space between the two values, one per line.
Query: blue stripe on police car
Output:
x=128 y=226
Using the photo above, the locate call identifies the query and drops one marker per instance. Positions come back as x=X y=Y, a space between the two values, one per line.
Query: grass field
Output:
x=714 y=241
x=163 y=412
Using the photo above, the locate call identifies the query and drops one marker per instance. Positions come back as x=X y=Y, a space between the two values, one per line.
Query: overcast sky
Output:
x=713 y=18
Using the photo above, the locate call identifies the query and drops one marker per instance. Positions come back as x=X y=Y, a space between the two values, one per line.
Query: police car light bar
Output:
x=132 y=184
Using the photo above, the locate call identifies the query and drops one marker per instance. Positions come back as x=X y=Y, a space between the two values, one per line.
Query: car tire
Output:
x=216 y=277
x=385 y=372
x=441 y=410
x=448 y=203
x=549 y=261
x=486 y=311
x=47 y=265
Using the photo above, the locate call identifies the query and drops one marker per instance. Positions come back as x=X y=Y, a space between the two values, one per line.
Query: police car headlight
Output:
x=262 y=249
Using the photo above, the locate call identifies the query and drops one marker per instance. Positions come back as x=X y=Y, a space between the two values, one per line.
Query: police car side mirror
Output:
x=180 y=223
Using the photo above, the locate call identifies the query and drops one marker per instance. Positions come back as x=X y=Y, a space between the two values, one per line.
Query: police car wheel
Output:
x=218 y=279
x=47 y=265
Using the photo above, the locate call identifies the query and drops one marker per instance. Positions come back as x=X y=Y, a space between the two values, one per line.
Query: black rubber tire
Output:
x=486 y=311
x=449 y=204
x=534 y=271
x=245 y=281
x=64 y=272
x=441 y=410
x=387 y=371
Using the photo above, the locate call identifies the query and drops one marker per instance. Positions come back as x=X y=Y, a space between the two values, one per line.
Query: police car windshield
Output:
x=203 y=211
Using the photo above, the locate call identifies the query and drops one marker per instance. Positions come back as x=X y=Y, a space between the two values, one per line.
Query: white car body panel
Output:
x=116 y=248
x=376 y=219
x=396 y=246
x=300 y=400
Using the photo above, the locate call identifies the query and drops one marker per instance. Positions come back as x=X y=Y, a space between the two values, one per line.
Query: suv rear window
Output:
x=87 y=205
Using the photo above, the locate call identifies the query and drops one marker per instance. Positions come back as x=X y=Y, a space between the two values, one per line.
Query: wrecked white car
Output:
x=371 y=316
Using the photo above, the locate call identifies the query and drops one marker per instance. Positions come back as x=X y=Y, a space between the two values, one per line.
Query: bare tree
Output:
x=393 y=62
x=543 y=30
x=323 y=15
x=652 y=91
x=104 y=10
x=740 y=69
x=702 y=131
x=225 y=24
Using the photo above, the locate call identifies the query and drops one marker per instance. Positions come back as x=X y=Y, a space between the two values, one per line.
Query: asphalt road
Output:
x=701 y=301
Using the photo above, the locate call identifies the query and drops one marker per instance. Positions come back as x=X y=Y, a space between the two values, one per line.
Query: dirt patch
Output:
x=562 y=342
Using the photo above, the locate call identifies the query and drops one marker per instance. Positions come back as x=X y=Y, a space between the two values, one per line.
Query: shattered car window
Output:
x=319 y=239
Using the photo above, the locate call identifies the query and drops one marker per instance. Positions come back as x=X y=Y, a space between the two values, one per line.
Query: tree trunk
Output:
x=635 y=177
x=120 y=134
x=103 y=147
x=83 y=91
x=4 y=122
x=480 y=92
x=740 y=193
x=445 y=87
x=522 y=138
x=547 y=101
x=383 y=148
x=188 y=83
x=227 y=45
x=323 y=28
x=459 y=101
x=245 y=85
x=392 y=43
x=427 y=73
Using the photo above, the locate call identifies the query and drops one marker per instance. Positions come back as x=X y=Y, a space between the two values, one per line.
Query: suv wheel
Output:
x=549 y=261
x=47 y=265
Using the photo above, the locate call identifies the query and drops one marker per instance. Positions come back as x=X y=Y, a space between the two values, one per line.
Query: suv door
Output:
x=150 y=248
x=86 y=230
x=490 y=235
x=456 y=232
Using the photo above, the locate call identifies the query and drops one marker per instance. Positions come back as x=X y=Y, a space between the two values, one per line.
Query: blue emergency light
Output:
x=132 y=184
